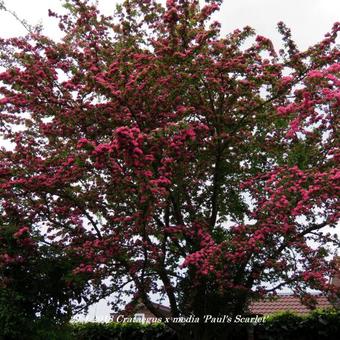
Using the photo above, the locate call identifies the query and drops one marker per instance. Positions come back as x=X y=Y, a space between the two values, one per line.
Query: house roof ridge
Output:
x=292 y=294
x=159 y=305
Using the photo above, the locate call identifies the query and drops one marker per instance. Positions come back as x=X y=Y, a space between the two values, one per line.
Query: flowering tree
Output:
x=173 y=160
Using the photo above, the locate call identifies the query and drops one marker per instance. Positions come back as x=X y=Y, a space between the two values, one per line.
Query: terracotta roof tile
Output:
x=286 y=303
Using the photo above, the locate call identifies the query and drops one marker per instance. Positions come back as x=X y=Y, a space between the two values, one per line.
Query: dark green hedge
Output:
x=121 y=331
x=318 y=325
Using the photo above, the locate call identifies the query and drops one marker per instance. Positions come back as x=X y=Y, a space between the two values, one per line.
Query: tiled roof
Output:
x=161 y=307
x=281 y=303
x=286 y=303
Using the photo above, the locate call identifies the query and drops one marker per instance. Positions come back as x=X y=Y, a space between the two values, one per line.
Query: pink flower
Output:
x=4 y=101
x=315 y=74
x=82 y=142
x=191 y=134
x=20 y=232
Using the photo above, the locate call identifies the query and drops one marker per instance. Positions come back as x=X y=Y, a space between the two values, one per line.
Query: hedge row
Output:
x=121 y=331
x=318 y=325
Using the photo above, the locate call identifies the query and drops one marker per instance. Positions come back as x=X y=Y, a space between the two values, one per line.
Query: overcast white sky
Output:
x=309 y=20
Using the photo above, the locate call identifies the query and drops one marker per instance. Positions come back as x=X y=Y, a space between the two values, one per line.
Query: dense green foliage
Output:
x=121 y=331
x=320 y=325
x=36 y=287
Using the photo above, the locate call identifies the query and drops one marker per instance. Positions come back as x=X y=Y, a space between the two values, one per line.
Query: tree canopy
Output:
x=172 y=160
